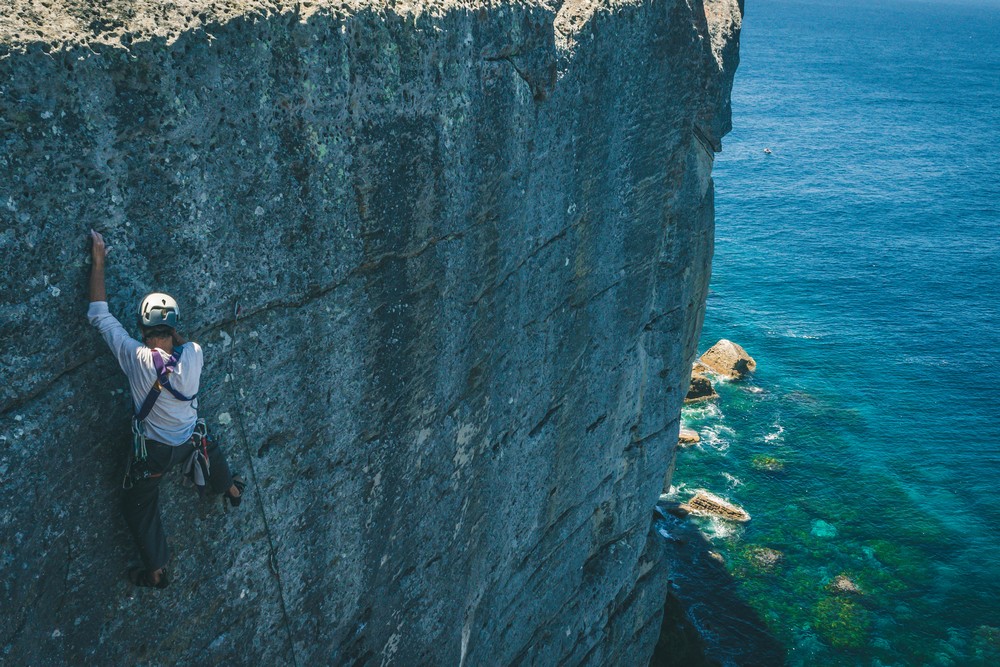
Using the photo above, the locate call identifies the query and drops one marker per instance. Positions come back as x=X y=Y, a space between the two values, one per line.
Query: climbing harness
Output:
x=197 y=466
x=138 y=455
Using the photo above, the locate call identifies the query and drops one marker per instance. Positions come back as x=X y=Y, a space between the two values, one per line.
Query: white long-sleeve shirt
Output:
x=171 y=421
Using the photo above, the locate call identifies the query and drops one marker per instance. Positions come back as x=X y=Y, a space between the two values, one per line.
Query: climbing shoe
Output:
x=239 y=484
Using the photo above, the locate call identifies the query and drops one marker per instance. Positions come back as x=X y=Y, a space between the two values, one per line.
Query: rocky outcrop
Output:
x=728 y=360
x=469 y=246
x=709 y=504
x=688 y=436
x=700 y=389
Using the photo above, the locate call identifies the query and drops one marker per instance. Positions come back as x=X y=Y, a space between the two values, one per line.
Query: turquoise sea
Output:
x=859 y=263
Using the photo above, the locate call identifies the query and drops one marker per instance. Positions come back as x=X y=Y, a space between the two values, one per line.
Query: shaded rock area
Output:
x=469 y=244
x=679 y=644
x=700 y=389
x=708 y=617
x=728 y=360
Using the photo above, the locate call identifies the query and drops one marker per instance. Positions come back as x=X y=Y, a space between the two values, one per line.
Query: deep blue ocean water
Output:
x=859 y=263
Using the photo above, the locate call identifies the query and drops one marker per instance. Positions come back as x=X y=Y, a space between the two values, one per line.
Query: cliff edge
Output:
x=448 y=261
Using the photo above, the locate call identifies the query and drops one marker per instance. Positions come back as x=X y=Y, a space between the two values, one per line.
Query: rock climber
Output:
x=163 y=372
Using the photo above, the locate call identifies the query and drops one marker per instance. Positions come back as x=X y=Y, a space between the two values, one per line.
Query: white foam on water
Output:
x=732 y=480
x=717 y=437
x=928 y=360
x=704 y=410
x=775 y=436
x=673 y=493
x=716 y=528
x=792 y=333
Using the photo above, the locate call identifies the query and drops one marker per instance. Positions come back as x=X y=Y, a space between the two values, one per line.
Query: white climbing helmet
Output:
x=159 y=309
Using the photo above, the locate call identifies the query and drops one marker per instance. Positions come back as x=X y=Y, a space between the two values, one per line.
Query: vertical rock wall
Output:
x=470 y=245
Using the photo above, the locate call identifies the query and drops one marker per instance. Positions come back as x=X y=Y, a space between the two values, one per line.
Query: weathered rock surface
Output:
x=728 y=359
x=470 y=243
x=709 y=504
x=688 y=436
x=700 y=389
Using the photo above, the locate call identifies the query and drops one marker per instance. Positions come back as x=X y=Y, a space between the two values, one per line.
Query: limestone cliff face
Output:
x=470 y=243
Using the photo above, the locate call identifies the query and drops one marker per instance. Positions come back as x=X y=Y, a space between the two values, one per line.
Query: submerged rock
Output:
x=843 y=584
x=763 y=558
x=986 y=643
x=700 y=389
x=687 y=436
x=821 y=528
x=728 y=359
x=841 y=622
x=767 y=463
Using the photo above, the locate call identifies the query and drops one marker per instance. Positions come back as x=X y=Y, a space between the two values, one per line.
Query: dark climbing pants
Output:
x=141 y=503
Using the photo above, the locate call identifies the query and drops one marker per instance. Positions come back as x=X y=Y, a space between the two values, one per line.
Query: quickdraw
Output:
x=200 y=435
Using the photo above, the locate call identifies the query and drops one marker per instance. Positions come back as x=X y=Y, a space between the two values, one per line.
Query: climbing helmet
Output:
x=158 y=309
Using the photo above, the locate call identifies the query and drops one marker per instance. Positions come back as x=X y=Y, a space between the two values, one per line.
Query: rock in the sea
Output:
x=767 y=463
x=843 y=584
x=698 y=368
x=842 y=622
x=688 y=436
x=986 y=642
x=763 y=558
x=700 y=389
x=709 y=504
x=728 y=359
x=821 y=528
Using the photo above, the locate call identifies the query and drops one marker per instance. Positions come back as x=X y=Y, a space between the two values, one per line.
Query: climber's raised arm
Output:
x=98 y=252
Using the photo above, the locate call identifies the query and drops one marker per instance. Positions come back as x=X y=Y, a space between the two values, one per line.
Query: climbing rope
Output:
x=272 y=557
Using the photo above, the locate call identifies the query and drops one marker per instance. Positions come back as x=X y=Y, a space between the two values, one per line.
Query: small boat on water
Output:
x=709 y=504
x=767 y=150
